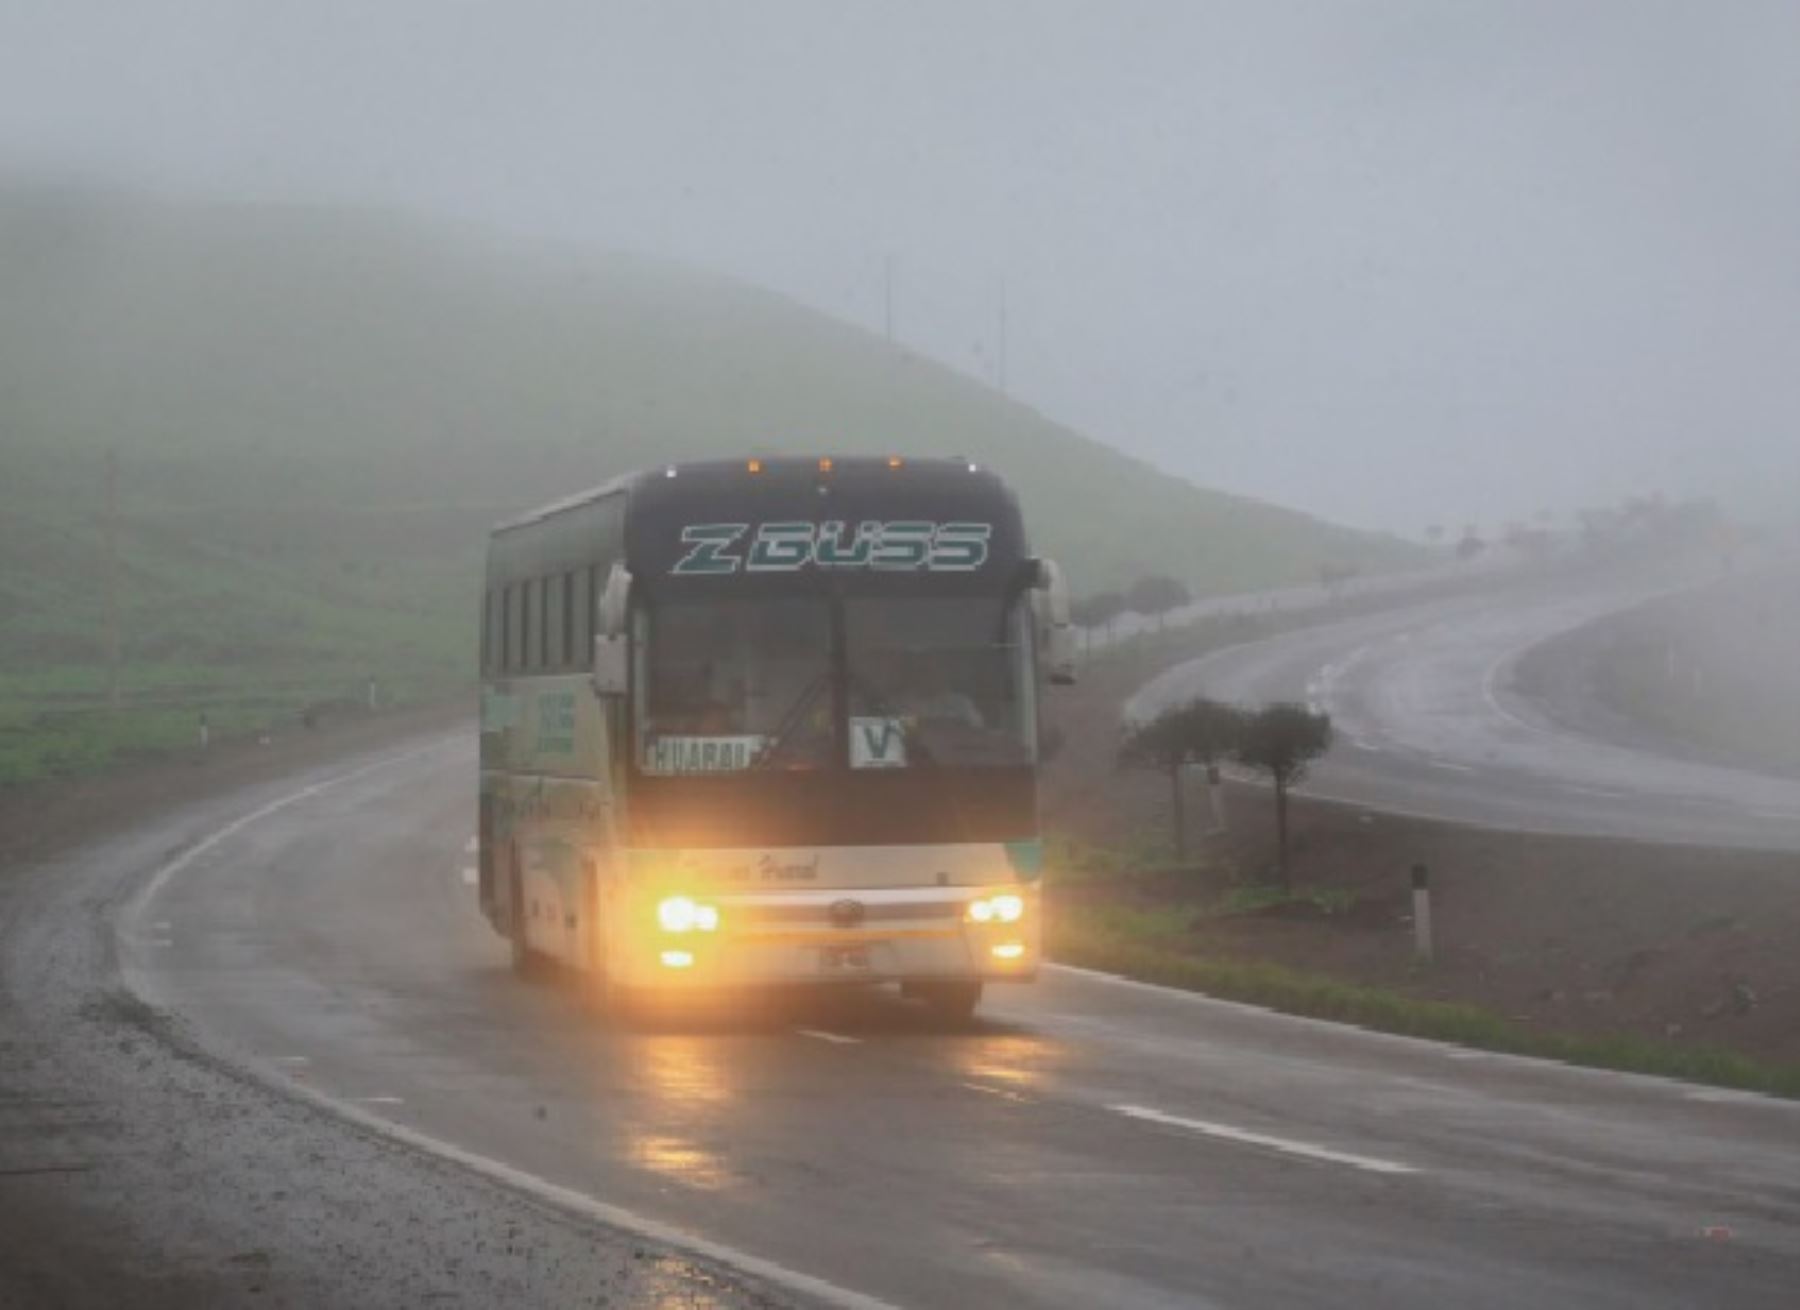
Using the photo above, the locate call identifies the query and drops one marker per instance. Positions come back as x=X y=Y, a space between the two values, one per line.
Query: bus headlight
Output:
x=685 y=914
x=1004 y=908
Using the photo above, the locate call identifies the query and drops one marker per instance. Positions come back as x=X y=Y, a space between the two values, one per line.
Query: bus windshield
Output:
x=727 y=685
x=732 y=685
x=939 y=681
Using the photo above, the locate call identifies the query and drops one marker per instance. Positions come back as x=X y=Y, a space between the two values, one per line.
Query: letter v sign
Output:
x=877 y=743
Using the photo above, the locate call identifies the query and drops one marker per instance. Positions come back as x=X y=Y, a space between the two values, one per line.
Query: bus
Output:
x=769 y=721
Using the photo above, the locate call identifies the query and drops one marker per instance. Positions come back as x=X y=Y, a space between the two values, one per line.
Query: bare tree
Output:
x=1281 y=740
x=1199 y=731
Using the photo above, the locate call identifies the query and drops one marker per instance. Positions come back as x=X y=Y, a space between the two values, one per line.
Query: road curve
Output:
x=1428 y=724
x=1088 y=1142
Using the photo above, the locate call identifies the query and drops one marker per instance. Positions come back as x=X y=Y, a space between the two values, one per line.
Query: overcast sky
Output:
x=1388 y=262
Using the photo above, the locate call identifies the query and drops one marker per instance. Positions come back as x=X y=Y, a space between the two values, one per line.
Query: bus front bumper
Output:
x=771 y=951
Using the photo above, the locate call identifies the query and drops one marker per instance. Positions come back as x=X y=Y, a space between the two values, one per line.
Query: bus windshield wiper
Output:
x=779 y=739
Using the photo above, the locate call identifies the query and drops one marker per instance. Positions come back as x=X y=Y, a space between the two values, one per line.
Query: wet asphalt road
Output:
x=1428 y=723
x=1088 y=1142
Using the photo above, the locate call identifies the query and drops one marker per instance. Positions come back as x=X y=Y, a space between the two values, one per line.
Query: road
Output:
x=1428 y=724
x=1088 y=1142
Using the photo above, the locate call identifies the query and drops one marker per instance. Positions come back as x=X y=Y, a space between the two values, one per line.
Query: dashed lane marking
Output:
x=819 y=1034
x=1283 y=1145
x=469 y=875
x=1004 y=1093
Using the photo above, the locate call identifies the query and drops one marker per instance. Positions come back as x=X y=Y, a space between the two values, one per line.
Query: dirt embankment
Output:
x=1584 y=935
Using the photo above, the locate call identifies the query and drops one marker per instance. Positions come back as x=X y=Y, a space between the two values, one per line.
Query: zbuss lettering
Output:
x=904 y=545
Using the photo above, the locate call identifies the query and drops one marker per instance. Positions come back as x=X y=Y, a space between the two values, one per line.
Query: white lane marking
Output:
x=819 y=1034
x=1005 y=1094
x=1451 y=765
x=471 y=846
x=1730 y=1096
x=1286 y=1146
x=290 y=1059
x=380 y=1100
x=601 y=1212
x=469 y=876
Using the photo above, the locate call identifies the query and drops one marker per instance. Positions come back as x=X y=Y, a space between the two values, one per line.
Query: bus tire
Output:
x=952 y=1002
x=526 y=963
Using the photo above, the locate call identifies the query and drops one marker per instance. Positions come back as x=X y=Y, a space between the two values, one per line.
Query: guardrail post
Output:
x=1421 y=890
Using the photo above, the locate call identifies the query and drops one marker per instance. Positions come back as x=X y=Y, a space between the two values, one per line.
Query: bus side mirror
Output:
x=612 y=663
x=1059 y=633
x=612 y=668
x=615 y=601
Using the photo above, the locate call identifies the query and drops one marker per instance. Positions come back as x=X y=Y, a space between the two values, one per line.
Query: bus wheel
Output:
x=953 y=1002
x=526 y=962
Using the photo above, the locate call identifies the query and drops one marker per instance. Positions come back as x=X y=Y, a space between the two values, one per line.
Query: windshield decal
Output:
x=714 y=549
x=729 y=754
x=877 y=742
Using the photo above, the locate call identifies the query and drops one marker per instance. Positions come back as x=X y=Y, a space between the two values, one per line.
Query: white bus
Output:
x=769 y=721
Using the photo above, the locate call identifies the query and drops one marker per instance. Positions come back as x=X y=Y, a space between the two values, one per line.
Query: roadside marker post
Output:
x=1421 y=890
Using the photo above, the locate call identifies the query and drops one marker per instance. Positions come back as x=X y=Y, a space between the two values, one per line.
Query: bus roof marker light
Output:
x=669 y=472
x=894 y=461
x=755 y=465
x=825 y=464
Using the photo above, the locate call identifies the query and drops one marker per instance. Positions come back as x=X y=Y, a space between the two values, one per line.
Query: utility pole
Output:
x=112 y=578
x=887 y=301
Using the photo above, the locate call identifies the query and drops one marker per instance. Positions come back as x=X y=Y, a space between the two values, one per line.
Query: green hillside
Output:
x=317 y=414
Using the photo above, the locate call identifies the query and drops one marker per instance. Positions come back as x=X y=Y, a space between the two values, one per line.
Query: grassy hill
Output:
x=317 y=414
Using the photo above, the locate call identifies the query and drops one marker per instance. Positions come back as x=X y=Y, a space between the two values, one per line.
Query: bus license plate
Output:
x=843 y=959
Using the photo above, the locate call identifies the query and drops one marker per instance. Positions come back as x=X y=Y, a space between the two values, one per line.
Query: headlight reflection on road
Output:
x=689 y=1100
x=1019 y=1062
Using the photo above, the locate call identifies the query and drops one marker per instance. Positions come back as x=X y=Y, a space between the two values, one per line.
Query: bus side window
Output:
x=568 y=619
x=534 y=625
x=509 y=624
x=555 y=621
x=493 y=632
x=582 y=627
x=487 y=631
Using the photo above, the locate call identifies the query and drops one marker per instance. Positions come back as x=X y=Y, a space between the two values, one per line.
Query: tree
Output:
x=1096 y=611
x=1155 y=595
x=1281 y=740
x=1199 y=731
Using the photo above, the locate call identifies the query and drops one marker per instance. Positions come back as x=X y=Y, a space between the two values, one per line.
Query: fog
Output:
x=1390 y=263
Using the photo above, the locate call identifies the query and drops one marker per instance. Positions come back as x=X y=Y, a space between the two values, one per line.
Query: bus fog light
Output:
x=1009 y=951
x=1004 y=908
x=684 y=914
x=678 y=959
